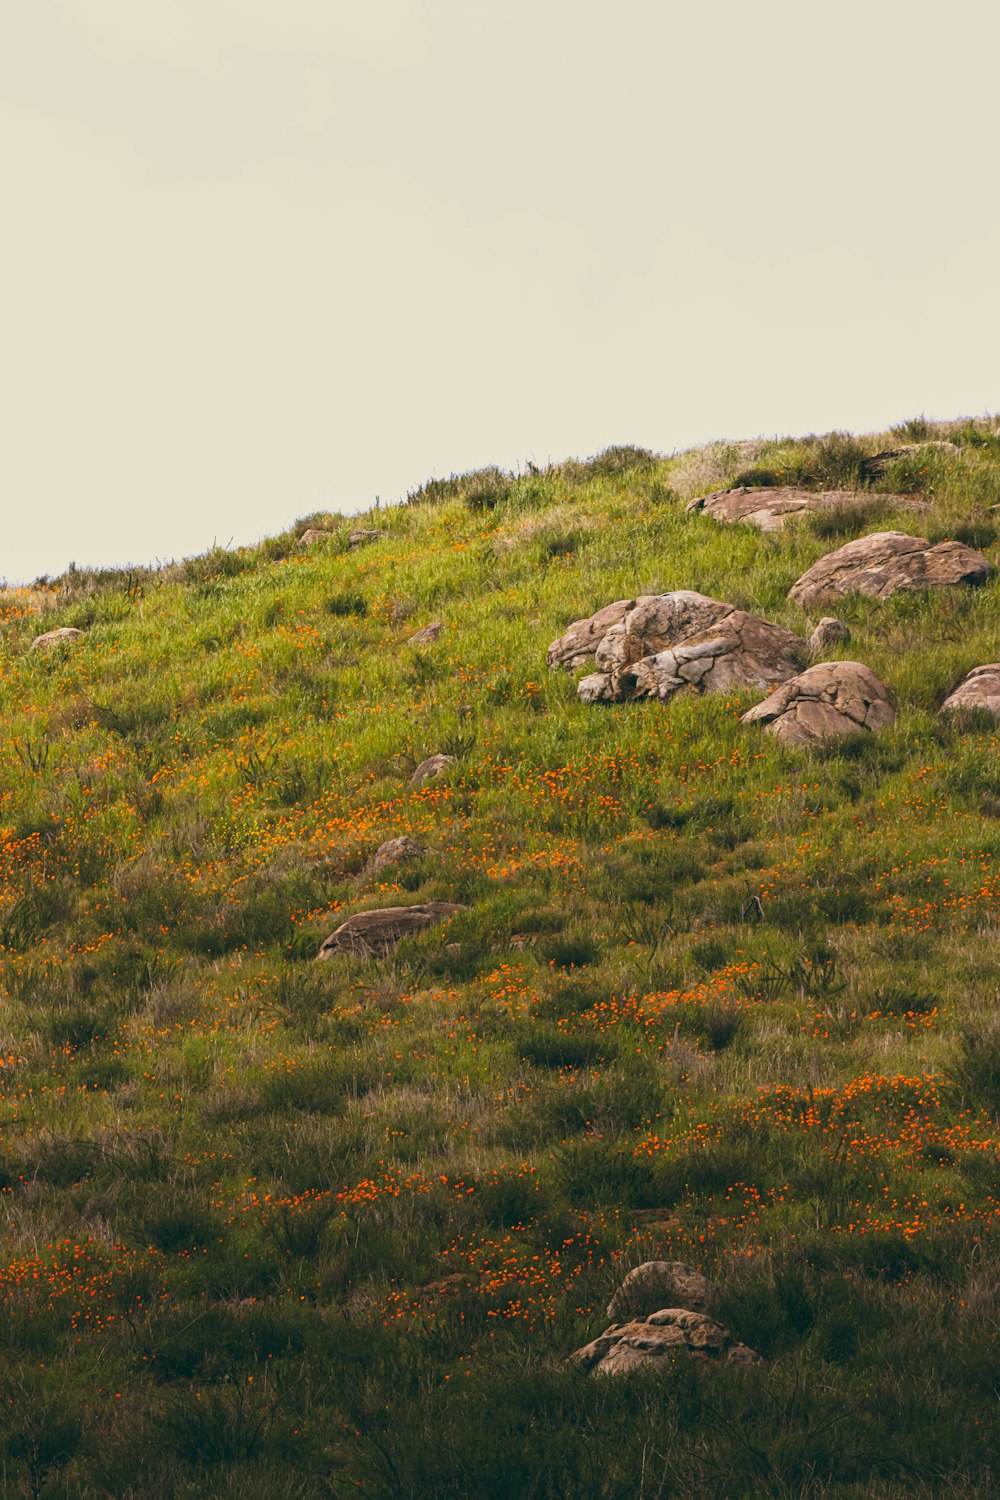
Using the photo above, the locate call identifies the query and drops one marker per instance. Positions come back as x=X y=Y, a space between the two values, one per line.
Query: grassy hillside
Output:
x=274 y=1227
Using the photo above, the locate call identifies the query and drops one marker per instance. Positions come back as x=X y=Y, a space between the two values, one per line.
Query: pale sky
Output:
x=262 y=257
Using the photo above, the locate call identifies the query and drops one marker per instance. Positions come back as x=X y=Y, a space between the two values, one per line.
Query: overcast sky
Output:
x=261 y=258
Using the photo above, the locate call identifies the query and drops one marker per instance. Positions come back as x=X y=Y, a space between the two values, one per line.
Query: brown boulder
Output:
x=885 y=563
x=669 y=642
x=829 y=632
x=583 y=637
x=655 y=1282
x=979 y=689
x=378 y=931
x=829 y=699
x=426 y=634
x=66 y=634
x=768 y=510
x=397 y=851
x=644 y=1342
x=314 y=534
x=434 y=765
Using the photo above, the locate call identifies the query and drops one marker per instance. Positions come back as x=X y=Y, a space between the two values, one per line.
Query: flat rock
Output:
x=65 y=633
x=426 y=634
x=666 y=643
x=378 y=931
x=434 y=765
x=397 y=851
x=648 y=1286
x=653 y=1341
x=830 y=699
x=770 y=509
x=829 y=632
x=361 y=538
x=886 y=563
x=979 y=689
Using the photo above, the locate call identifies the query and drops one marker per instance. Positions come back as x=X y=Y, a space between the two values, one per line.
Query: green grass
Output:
x=279 y=1228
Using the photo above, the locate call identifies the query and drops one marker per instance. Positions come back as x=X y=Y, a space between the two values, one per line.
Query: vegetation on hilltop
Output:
x=280 y=1228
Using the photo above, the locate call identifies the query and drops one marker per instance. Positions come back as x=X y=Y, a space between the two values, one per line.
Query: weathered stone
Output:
x=314 y=534
x=397 y=851
x=979 y=689
x=647 y=1342
x=65 y=635
x=583 y=637
x=832 y=698
x=361 y=538
x=655 y=1282
x=768 y=510
x=426 y=634
x=378 y=931
x=434 y=765
x=665 y=643
x=829 y=632
x=885 y=563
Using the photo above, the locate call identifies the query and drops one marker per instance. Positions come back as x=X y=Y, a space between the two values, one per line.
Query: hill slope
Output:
x=296 y=1227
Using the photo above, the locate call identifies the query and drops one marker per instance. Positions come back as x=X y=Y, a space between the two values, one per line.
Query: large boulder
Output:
x=580 y=642
x=830 y=699
x=885 y=563
x=377 y=931
x=666 y=643
x=979 y=689
x=434 y=765
x=770 y=509
x=398 y=851
x=655 y=1284
x=314 y=534
x=651 y=1342
x=65 y=635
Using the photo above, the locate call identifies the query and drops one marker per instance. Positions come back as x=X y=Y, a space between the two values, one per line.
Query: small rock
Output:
x=378 y=931
x=829 y=632
x=885 y=563
x=654 y=1283
x=397 y=851
x=980 y=688
x=361 y=538
x=426 y=634
x=314 y=534
x=833 y=698
x=434 y=765
x=51 y=638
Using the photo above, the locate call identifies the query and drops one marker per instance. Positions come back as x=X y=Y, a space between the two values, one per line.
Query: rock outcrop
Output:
x=656 y=1284
x=768 y=510
x=434 y=765
x=830 y=699
x=885 y=563
x=314 y=534
x=377 y=931
x=63 y=636
x=665 y=643
x=649 y=1341
x=979 y=689
x=397 y=851
x=361 y=538
x=829 y=632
